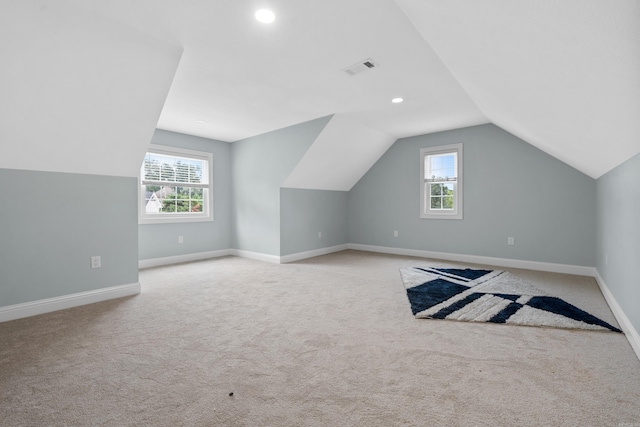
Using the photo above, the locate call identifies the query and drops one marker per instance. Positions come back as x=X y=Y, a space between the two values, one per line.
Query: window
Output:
x=441 y=182
x=175 y=186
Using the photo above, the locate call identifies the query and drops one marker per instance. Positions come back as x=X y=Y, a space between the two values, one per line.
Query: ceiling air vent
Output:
x=364 y=65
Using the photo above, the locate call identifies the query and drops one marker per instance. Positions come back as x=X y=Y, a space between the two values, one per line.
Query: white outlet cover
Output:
x=95 y=262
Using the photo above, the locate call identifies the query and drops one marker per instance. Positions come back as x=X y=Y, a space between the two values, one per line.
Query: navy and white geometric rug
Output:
x=490 y=296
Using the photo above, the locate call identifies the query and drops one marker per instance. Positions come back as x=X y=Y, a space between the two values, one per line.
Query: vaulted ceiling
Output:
x=245 y=78
x=562 y=75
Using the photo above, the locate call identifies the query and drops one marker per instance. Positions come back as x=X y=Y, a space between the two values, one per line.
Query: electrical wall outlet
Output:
x=95 y=262
x=180 y=239
x=319 y=234
x=511 y=241
x=395 y=233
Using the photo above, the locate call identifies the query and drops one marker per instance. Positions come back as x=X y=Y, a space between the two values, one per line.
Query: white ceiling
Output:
x=562 y=75
x=359 y=148
x=245 y=78
x=79 y=92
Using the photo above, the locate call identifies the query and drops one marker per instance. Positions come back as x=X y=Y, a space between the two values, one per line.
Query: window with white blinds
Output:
x=175 y=186
x=441 y=182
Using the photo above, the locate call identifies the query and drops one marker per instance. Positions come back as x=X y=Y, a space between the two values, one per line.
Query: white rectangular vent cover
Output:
x=361 y=66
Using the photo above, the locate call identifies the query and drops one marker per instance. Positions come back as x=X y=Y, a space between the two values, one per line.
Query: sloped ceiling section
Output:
x=80 y=93
x=240 y=78
x=255 y=78
x=343 y=152
x=562 y=75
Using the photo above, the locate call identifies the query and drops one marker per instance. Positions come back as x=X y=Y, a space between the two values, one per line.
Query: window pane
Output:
x=151 y=202
x=196 y=193
x=447 y=202
x=151 y=168
x=168 y=206
x=447 y=189
x=195 y=206
x=195 y=171
x=166 y=172
x=182 y=171
x=436 y=202
x=167 y=193
x=436 y=189
x=442 y=166
x=182 y=205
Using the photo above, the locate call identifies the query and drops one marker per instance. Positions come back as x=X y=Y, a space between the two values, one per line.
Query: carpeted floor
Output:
x=328 y=341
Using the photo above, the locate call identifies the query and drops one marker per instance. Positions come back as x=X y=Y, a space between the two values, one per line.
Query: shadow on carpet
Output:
x=490 y=296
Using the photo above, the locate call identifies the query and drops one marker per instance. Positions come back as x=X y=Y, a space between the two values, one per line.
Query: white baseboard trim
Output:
x=157 y=262
x=625 y=324
x=255 y=255
x=33 y=308
x=476 y=259
x=313 y=253
x=177 y=259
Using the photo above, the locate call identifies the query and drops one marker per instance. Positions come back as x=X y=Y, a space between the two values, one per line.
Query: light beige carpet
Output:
x=329 y=341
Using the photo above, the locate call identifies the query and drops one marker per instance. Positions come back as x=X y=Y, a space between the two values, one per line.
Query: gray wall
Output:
x=304 y=213
x=161 y=240
x=52 y=223
x=510 y=189
x=259 y=167
x=618 y=262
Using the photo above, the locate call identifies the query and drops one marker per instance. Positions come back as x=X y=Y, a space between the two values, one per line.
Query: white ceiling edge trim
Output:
x=81 y=93
x=343 y=152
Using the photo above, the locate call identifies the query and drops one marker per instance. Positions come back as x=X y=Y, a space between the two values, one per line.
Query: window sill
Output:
x=174 y=219
x=440 y=216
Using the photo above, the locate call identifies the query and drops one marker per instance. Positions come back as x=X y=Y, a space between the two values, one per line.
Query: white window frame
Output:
x=425 y=207
x=161 y=218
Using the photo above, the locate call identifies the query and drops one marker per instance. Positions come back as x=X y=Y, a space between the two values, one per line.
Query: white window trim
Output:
x=425 y=213
x=207 y=214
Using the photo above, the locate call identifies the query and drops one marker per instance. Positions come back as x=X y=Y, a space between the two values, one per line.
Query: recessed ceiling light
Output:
x=201 y=122
x=265 y=16
x=397 y=100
